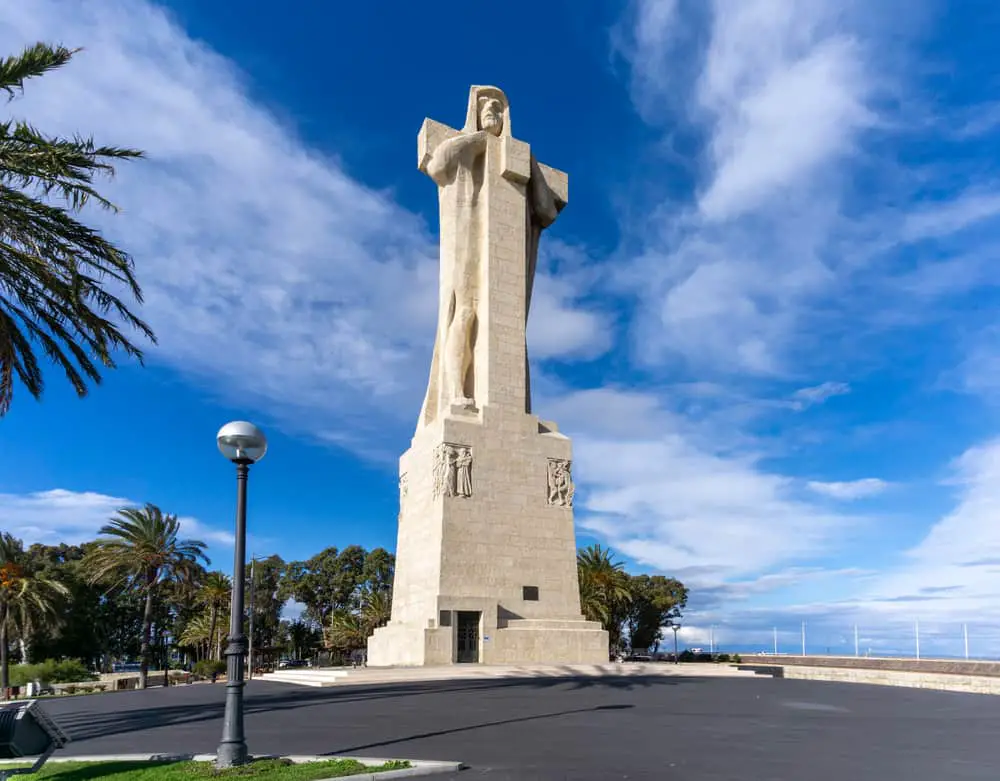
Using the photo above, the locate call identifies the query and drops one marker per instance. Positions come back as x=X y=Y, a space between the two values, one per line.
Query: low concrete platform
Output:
x=354 y=676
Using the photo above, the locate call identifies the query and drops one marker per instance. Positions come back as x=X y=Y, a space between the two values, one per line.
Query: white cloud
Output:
x=660 y=492
x=959 y=558
x=854 y=489
x=781 y=96
x=785 y=95
x=72 y=517
x=817 y=394
x=951 y=216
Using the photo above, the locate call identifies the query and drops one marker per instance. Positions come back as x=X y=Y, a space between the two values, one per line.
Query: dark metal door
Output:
x=468 y=637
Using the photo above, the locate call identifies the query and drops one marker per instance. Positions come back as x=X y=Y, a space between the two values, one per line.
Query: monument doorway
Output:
x=468 y=637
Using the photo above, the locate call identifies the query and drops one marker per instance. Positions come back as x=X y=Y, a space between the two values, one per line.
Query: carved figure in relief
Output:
x=440 y=470
x=452 y=470
x=463 y=472
x=561 y=488
x=458 y=166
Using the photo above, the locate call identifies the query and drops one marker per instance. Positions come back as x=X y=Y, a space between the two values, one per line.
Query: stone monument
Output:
x=486 y=549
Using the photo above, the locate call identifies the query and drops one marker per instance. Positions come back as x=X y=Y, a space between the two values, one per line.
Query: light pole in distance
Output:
x=243 y=444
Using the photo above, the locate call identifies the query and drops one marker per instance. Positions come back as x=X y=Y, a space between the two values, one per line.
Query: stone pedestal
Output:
x=502 y=557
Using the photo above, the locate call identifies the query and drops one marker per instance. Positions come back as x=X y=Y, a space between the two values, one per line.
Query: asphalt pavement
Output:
x=664 y=728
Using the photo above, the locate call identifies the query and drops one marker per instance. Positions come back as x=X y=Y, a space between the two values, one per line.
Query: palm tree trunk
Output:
x=147 y=628
x=213 y=623
x=4 y=660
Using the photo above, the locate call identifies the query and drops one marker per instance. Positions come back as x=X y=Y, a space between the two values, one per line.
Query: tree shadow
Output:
x=96 y=770
x=261 y=697
x=481 y=725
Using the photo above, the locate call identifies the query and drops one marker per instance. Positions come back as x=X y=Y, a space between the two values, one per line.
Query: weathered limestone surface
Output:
x=486 y=491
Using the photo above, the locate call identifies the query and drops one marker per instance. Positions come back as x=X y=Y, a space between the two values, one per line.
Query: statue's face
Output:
x=491 y=115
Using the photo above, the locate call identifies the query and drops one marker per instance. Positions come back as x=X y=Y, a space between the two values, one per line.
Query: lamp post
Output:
x=677 y=628
x=243 y=444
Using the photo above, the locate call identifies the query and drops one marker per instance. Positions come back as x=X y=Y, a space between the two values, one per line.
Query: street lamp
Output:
x=243 y=444
x=677 y=628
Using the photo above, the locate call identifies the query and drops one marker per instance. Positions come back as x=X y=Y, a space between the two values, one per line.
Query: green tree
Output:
x=656 y=600
x=302 y=638
x=268 y=590
x=329 y=581
x=376 y=609
x=53 y=268
x=140 y=551
x=604 y=591
x=27 y=598
x=214 y=594
x=346 y=631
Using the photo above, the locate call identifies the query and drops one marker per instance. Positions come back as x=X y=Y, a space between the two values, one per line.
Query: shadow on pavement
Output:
x=96 y=719
x=469 y=727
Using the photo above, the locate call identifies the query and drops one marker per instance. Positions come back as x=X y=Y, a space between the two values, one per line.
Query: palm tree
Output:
x=376 y=609
x=604 y=590
x=52 y=267
x=214 y=594
x=198 y=635
x=140 y=550
x=299 y=635
x=346 y=631
x=27 y=598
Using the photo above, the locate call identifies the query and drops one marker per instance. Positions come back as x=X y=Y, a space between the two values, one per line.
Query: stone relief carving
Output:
x=453 y=470
x=561 y=488
x=402 y=496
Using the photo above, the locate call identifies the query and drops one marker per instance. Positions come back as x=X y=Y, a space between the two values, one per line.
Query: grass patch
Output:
x=261 y=769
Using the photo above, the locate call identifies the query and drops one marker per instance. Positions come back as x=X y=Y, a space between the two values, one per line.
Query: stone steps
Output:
x=373 y=675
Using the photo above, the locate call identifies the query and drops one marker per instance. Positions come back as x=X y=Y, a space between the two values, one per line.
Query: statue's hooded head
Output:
x=488 y=110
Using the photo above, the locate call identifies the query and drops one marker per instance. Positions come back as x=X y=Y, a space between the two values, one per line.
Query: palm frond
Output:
x=33 y=61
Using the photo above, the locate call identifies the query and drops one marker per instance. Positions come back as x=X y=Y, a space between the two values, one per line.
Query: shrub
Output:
x=737 y=658
x=722 y=658
x=206 y=668
x=51 y=671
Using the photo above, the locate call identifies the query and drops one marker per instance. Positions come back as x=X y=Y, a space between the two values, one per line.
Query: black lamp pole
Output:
x=233 y=748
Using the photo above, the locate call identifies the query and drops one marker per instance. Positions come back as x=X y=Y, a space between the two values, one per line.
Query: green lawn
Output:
x=262 y=770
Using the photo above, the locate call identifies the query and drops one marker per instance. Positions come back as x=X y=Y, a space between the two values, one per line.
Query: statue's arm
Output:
x=446 y=157
x=543 y=201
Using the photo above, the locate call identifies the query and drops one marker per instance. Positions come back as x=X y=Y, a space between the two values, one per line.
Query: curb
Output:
x=420 y=767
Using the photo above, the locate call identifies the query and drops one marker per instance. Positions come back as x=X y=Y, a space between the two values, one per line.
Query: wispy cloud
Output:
x=61 y=516
x=854 y=489
x=666 y=497
x=817 y=394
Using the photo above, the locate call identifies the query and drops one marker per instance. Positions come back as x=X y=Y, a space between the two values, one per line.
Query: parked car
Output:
x=286 y=664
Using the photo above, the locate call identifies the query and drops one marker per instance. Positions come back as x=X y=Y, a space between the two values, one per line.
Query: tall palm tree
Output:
x=604 y=590
x=215 y=594
x=27 y=598
x=140 y=550
x=52 y=267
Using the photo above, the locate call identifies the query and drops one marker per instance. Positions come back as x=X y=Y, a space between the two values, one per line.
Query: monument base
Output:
x=522 y=641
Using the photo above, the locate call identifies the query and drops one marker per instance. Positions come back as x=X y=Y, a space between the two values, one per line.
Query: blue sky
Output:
x=768 y=317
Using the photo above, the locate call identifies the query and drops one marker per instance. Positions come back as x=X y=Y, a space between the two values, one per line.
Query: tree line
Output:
x=141 y=592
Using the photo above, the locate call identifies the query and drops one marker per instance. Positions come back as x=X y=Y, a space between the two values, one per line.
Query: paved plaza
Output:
x=665 y=728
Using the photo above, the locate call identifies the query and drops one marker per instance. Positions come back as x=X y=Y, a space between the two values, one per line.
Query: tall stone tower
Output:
x=486 y=549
